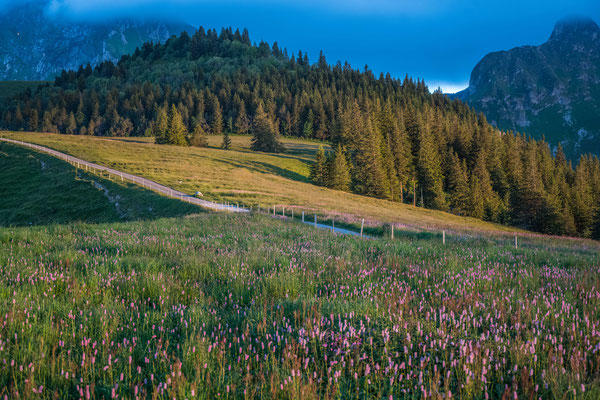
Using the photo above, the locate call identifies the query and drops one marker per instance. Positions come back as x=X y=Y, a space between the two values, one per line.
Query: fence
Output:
x=148 y=184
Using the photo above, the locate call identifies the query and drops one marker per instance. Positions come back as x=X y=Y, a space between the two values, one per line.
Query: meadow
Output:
x=216 y=305
x=228 y=306
x=241 y=175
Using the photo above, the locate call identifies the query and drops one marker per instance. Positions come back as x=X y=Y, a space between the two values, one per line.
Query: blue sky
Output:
x=436 y=40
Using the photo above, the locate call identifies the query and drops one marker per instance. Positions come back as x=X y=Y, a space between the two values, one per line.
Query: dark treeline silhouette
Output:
x=392 y=139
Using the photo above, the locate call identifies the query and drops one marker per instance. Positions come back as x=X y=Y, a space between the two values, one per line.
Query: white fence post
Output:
x=302 y=216
x=315 y=220
x=443 y=237
x=361 y=227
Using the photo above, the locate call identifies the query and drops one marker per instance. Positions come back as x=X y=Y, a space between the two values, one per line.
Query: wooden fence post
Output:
x=361 y=227
x=333 y=225
x=392 y=231
x=516 y=243
x=283 y=211
x=302 y=216
x=315 y=220
x=443 y=237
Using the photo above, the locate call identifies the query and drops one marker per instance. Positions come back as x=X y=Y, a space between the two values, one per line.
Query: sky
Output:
x=439 y=41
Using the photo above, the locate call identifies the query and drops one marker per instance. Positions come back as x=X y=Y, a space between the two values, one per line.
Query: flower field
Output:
x=223 y=306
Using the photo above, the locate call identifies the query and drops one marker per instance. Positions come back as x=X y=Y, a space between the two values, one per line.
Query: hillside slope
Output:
x=38 y=189
x=551 y=90
x=35 y=46
x=258 y=179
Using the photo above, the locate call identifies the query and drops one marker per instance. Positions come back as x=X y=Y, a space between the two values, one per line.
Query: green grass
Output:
x=11 y=88
x=244 y=176
x=38 y=189
x=219 y=305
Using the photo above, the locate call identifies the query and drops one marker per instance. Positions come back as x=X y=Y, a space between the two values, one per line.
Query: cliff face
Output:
x=35 y=46
x=551 y=90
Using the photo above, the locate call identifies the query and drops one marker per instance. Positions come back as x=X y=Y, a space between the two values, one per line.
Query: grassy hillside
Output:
x=38 y=189
x=11 y=88
x=241 y=175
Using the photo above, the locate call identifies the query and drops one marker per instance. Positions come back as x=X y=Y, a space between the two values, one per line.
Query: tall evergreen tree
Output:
x=339 y=173
x=264 y=137
x=161 y=126
x=176 y=131
x=318 y=171
x=198 y=138
x=226 y=144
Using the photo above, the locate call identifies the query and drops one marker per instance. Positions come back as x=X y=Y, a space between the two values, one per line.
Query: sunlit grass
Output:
x=243 y=176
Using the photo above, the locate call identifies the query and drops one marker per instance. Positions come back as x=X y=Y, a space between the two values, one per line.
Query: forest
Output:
x=390 y=138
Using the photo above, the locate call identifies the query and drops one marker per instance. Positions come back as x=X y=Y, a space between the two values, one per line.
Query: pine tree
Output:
x=47 y=125
x=226 y=144
x=161 y=126
x=307 y=129
x=198 y=138
x=318 y=172
x=264 y=137
x=71 y=124
x=217 y=120
x=458 y=185
x=339 y=173
x=34 y=121
x=242 y=124
x=430 y=170
x=176 y=132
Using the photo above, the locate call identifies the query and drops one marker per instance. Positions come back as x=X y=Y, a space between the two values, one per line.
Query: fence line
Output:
x=145 y=183
x=175 y=194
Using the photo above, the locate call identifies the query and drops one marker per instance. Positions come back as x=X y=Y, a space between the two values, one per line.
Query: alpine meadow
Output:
x=213 y=217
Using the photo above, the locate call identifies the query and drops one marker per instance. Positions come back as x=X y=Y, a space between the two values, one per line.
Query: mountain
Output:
x=36 y=46
x=551 y=90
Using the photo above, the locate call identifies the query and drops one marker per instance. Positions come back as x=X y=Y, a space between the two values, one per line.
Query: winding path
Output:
x=145 y=183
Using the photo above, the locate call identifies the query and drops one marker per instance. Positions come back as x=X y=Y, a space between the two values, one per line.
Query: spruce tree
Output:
x=226 y=144
x=34 y=120
x=264 y=137
x=176 y=131
x=458 y=185
x=160 y=127
x=339 y=173
x=430 y=170
x=198 y=138
x=217 y=120
x=318 y=171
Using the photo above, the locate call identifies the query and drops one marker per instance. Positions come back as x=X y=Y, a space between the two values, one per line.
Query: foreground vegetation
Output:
x=229 y=306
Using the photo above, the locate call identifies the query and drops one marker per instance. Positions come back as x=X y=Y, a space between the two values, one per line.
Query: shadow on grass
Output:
x=37 y=189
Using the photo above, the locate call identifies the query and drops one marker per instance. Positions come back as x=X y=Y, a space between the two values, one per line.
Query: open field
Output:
x=232 y=306
x=11 y=88
x=241 y=175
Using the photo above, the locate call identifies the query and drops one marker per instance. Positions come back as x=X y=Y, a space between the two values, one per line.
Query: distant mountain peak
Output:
x=575 y=28
x=551 y=90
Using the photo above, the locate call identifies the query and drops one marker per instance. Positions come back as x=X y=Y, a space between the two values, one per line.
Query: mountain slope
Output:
x=551 y=90
x=35 y=46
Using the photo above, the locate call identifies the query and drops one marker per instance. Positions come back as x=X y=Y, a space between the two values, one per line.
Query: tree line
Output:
x=390 y=138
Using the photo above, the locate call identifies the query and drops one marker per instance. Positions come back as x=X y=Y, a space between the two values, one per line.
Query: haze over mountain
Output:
x=551 y=90
x=36 y=46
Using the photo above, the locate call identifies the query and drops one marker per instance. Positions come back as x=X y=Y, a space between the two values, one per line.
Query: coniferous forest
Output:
x=390 y=138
